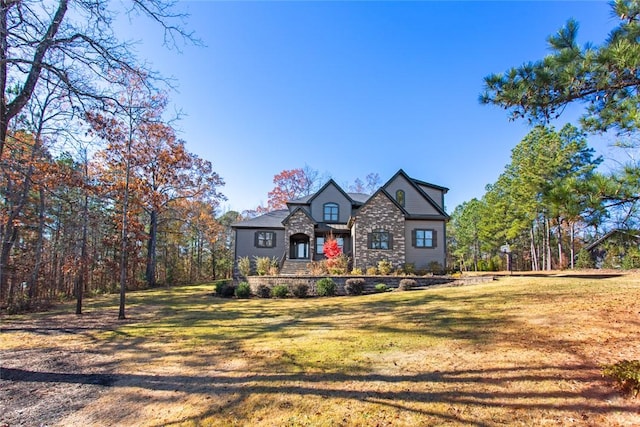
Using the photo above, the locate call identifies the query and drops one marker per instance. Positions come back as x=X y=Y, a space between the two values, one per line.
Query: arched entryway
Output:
x=299 y=246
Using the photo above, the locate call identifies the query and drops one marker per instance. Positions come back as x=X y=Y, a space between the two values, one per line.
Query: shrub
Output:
x=409 y=268
x=265 y=264
x=274 y=270
x=317 y=268
x=354 y=286
x=627 y=374
x=381 y=287
x=584 y=259
x=243 y=290
x=263 y=291
x=326 y=287
x=225 y=290
x=384 y=267
x=279 y=291
x=372 y=271
x=338 y=265
x=631 y=259
x=299 y=290
x=244 y=266
x=356 y=272
x=435 y=267
x=407 y=284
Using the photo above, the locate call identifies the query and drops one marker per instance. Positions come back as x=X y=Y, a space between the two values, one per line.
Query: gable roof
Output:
x=634 y=234
x=271 y=219
x=416 y=184
x=388 y=196
x=324 y=187
x=295 y=211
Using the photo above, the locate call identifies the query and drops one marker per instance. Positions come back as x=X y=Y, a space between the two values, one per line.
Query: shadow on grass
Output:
x=476 y=317
x=405 y=392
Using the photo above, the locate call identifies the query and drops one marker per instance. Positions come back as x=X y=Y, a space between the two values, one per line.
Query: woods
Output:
x=98 y=192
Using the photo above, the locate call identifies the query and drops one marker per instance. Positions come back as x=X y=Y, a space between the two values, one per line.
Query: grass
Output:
x=518 y=351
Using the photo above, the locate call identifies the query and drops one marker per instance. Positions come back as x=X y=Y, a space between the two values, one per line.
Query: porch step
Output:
x=295 y=267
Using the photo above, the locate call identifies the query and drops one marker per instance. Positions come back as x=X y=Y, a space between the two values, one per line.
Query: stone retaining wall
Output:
x=392 y=282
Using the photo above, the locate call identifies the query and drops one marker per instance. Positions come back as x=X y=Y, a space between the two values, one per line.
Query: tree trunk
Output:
x=125 y=229
x=5 y=256
x=560 y=257
x=4 y=119
x=81 y=281
x=534 y=252
x=547 y=244
x=37 y=264
x=572 y=235
x=151 y=249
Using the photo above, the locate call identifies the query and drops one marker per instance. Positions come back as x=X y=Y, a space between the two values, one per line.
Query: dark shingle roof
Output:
x=269 y=220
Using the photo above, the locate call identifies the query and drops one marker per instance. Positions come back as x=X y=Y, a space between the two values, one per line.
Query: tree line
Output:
x=551 y=199
x=97 y=192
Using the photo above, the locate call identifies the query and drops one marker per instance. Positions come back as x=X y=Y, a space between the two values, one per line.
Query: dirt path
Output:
x=51 y=366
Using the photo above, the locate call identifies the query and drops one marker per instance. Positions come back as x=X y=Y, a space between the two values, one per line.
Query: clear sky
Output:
x=350 y=88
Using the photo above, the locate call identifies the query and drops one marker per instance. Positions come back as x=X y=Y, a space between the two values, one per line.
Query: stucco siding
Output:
x=415 y=203
x=331 y=195
x=245 y=244
x=435 y=194
x=422 y=257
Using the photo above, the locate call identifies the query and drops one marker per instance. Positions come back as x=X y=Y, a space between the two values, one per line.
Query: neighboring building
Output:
x=403 y=222
x=619 y=248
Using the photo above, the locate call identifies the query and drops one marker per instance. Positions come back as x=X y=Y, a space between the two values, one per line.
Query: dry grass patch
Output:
x=519 y=351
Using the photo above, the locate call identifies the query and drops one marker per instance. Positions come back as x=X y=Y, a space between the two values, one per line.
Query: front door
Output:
x=301 y=250
x=299 y=246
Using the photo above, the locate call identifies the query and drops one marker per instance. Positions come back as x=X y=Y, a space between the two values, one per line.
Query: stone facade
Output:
x=299 y=223
x=379 y=213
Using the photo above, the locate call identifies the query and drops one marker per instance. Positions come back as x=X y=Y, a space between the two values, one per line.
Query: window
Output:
x=265 y=239
x=380 y=240
x=400 y=197
x=424 y=238
x=331 y=212
x=320 y=244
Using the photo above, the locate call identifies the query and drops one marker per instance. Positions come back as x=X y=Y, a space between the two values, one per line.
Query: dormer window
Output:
x=400 y=197
x=331 y=211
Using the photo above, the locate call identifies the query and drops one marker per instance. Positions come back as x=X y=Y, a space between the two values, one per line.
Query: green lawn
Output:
x=518 y=351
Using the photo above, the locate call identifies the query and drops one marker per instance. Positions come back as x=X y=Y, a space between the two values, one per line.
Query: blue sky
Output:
x=350 y=88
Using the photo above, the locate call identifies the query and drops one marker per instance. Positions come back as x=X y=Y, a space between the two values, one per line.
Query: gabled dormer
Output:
x=417 y=198
x=330 y=204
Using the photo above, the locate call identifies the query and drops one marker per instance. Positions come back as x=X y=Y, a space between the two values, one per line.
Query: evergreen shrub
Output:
x=381 y=287
x=279 y=291
x=243 y=290
x=299 y=290
x=325 y=287
x=263 y=291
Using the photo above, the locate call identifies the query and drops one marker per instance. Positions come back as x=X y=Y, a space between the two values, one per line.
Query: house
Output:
x=619 y=248
x=403 y=222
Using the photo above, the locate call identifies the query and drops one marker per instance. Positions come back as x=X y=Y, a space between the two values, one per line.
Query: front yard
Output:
x=519 y=351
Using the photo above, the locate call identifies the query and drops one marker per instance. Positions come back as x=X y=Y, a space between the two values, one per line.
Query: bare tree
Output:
x=71 y=44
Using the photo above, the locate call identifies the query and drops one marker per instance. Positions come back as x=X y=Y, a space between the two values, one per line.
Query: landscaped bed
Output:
x=517 y=351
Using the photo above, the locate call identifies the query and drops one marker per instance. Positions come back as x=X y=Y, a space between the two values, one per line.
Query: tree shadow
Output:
x=462 y=388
